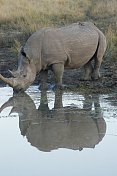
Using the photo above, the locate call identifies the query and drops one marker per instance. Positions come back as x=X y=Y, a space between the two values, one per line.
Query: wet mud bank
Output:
x=71 y=78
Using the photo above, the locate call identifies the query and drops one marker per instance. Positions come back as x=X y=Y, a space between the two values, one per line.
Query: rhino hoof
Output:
x=43 y=87
x=85 y=78
x=95 y=77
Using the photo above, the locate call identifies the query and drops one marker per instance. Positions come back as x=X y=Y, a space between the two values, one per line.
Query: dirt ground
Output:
x=71 y=78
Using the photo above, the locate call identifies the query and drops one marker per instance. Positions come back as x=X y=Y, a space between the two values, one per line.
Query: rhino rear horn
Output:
x=14 y=74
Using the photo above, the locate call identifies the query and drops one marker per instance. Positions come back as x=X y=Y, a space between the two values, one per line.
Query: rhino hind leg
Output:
x=58 y=70
x=99 y=55
x=98 y=60
x=88 y=71
x=96 y=73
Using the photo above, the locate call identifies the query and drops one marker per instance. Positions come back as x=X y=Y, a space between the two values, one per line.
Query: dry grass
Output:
x=111 y=42
x=20 y=18
x=33 y=14
x=105 y=8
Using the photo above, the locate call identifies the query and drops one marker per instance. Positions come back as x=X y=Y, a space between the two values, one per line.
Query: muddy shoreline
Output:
x=71 y=78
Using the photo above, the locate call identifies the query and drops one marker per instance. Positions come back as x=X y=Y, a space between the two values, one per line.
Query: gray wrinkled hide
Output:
x=73 y=46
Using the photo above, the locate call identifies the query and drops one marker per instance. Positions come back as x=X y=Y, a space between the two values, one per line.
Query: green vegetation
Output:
x=20 y=18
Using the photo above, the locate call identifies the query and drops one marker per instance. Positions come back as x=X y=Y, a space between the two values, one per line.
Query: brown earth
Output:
x=107 y=83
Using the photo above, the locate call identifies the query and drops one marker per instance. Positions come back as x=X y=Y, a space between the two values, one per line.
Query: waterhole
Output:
x=57 y=133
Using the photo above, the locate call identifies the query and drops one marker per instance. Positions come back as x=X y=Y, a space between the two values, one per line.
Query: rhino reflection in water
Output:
x=68 y=47
x=60 y=127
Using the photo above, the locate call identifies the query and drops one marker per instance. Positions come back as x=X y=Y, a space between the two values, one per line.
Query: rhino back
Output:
x=79 y=42
x=74 y=44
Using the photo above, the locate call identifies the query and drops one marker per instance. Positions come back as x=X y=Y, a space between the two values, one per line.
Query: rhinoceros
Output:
x=57 y=49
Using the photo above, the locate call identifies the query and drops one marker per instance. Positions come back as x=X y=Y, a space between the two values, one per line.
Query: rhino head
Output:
x=25 y=74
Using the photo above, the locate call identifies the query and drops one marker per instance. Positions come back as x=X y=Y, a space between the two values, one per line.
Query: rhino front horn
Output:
x=8 y=81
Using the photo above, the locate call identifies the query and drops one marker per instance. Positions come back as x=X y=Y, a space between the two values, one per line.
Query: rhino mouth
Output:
x=18 y=89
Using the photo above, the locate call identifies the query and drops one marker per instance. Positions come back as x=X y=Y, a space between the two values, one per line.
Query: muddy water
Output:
x=57 y=133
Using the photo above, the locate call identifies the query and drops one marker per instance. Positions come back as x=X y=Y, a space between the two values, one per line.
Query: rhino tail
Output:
x=101 y=45
x=99 y=55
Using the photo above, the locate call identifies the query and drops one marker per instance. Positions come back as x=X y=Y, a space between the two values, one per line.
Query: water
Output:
x=54 y=133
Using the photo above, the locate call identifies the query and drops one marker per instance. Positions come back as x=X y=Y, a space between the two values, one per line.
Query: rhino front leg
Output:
x=43 y=76
x=58 y=70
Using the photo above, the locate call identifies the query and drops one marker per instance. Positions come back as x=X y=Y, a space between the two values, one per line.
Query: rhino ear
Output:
x=24 y=54
x=22 y=51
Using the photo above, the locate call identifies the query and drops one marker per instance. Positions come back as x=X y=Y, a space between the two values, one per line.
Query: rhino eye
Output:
x=24 y=76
